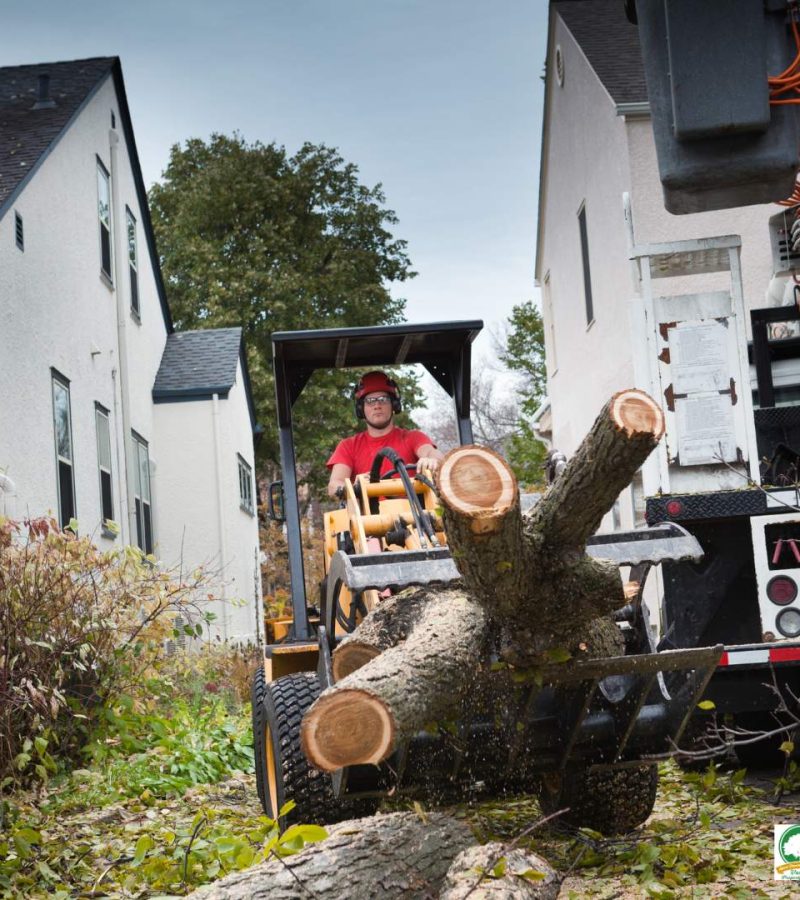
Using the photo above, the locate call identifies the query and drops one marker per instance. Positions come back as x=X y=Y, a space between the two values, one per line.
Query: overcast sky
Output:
x=440 y=100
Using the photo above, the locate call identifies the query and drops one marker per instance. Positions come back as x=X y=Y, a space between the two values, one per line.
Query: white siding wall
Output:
x=224 y=539
x=586 y=162
x=56 y=310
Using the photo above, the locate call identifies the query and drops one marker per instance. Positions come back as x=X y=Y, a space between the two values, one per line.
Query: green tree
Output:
x=250 y=236
x=524 y=353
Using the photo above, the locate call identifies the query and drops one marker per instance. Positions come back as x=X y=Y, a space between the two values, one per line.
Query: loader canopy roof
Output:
x=442 y=347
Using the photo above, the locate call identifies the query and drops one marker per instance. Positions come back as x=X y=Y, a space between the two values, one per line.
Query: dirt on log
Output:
x=383 y=856
x=529 y=590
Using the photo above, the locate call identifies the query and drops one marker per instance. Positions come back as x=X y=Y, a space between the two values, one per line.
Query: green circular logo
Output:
x=789 y=845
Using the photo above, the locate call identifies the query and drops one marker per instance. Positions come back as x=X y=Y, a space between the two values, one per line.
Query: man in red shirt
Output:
x=377 y=399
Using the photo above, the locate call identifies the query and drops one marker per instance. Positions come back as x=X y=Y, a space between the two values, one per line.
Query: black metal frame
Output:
x=764 y=350
x=443 y=348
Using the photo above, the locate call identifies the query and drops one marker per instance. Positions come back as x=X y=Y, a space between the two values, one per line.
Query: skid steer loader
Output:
x=583 y=739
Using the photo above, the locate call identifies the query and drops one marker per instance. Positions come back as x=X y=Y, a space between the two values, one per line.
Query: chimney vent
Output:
x=44 y=100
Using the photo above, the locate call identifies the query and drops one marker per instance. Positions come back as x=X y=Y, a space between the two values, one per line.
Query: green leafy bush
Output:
x=78 y=628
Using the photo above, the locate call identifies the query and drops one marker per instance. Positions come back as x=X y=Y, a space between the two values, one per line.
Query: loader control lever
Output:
x=422 y=523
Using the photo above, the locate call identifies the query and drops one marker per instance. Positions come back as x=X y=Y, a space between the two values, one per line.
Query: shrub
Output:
x=78 y=628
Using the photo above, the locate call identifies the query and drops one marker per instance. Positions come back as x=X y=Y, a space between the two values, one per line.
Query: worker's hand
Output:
x=427 y=463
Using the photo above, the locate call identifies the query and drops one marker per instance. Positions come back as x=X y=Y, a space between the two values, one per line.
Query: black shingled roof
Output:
x=611 y=45
x=27 y=133
x=197 y=364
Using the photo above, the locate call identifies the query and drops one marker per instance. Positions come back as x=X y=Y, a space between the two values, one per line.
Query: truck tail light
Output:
x=674 y=508
x=788 y=622
x=781 y=590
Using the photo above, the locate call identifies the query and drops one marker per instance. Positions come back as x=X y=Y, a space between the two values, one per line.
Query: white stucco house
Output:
x=106 y=413
x=597 y=144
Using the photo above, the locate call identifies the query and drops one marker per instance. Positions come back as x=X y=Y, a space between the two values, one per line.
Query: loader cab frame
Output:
x=443 y=348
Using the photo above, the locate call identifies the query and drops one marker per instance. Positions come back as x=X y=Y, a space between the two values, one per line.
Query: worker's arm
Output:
x=428 y=457
x=340 y=472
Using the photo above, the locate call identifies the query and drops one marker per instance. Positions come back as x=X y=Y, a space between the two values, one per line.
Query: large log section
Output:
x=529 y=588
x=388 y=856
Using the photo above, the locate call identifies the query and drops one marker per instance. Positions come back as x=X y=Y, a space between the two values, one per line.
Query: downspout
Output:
x=127 y=506
x=8 y=491
x=223 y=562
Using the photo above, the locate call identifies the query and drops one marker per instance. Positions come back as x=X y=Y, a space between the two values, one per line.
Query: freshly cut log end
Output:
x=635 y=412
x=477 y=483
x=346 y=727
x=351 y=656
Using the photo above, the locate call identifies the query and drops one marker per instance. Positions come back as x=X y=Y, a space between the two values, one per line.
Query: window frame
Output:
x=101 y=412
x=104 y=176
x=57 y=379
x=246 y=492
x=143 y=507
x=133 y=263
x=587 y=271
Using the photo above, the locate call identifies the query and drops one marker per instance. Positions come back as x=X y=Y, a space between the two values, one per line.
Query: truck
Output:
x=727 y=470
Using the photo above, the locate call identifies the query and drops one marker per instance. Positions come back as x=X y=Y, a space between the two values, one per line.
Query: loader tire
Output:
x=282 y=771
x=611 y=801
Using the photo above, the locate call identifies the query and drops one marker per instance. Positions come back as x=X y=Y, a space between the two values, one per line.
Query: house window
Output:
x=104 y=214
x=62 y=426
x=587 y=275
x=144 y=514
x=245 y=486
x=132 y=262
x=19 y=232
x=103 y=427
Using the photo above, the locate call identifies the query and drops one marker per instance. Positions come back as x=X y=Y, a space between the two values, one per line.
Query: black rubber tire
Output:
x=611 y=801
x=277 y=719
x=257 y=692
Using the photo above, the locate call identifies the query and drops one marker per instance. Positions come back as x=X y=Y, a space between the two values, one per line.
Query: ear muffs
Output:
x=387 y=384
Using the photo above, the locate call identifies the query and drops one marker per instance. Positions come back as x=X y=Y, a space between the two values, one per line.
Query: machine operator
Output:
x=377 y=399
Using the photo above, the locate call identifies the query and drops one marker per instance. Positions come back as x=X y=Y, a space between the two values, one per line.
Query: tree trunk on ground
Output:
x=494 y=872
x=361 y=718
x=530 y=579
x=386 y=856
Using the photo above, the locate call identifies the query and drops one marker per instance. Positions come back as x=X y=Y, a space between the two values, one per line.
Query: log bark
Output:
x=534 y=570
x=361 y=718
x=389 y=623
x=525 y=876
x=386 y=856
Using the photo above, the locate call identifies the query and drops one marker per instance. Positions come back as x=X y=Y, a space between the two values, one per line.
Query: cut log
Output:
x=362 y=717
x=529 y=588
x=386 y=856
x=389 y=623
x=622 y=437
x=534 y=569
x=493 y=872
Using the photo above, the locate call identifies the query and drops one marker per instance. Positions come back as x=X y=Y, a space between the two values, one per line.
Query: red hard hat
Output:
x=373 y=382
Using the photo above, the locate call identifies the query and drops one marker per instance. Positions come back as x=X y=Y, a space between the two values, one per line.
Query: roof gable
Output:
x=197 y=364
x=28 y=135
x=610 y=44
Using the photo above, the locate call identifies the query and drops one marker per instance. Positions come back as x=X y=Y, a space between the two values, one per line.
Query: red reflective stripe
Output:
x=723 y=660
x=784 y=654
